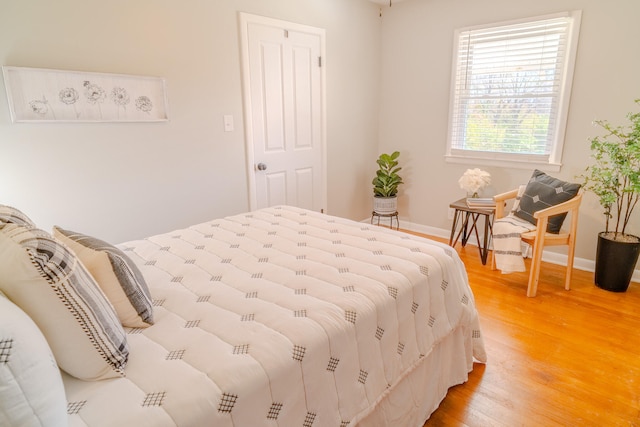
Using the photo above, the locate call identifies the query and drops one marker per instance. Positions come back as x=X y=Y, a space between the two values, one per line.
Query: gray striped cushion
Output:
x=46 y=280
x=11 y=215
x=118 y=276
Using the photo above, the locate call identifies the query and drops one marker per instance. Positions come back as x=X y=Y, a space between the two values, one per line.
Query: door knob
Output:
x=261 y=166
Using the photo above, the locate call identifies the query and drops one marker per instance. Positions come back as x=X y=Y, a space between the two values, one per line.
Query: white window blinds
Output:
x=508 y=87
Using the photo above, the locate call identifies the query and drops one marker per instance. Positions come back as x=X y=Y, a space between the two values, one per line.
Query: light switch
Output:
x=228 y=123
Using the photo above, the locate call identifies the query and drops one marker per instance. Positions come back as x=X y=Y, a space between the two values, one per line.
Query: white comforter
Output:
x=281 y=317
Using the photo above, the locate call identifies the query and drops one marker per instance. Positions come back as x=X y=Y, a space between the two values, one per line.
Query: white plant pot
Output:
x=385 y=205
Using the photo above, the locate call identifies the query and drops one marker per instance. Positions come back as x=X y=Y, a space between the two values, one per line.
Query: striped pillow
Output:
x=118 y=277
x=11 y=215
x=46 y=280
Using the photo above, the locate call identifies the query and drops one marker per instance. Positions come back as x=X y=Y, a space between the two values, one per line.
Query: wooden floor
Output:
x=563 y=358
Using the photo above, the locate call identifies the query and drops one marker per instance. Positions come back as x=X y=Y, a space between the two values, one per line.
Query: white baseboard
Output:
x=547 y=256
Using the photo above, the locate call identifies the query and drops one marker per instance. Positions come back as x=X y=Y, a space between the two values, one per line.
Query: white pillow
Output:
x=116 y=274
x=46 y=280
x=31 y=389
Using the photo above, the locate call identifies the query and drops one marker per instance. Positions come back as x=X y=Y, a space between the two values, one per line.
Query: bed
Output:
x=287 y=317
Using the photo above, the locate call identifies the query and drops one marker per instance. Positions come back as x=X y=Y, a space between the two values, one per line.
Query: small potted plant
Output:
x=385 y=184
x=615 y=178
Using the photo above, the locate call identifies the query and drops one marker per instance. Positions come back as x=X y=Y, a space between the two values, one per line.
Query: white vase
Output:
x=385 y=205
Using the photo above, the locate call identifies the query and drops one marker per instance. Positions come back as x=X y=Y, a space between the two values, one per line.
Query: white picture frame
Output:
x=44 y=95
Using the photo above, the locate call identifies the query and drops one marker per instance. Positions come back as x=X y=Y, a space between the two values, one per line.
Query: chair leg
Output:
x=570 y=257
x=567 y=283
x=534 y=275
x=493 y=260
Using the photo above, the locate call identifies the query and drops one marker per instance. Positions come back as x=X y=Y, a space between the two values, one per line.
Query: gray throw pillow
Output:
x=116 y=274
x=544 y=191
x=47 y=281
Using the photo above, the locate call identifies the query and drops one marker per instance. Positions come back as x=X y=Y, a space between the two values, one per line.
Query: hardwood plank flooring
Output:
x=563 y=358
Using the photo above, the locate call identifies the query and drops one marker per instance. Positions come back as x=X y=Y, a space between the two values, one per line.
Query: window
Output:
x=510 y=91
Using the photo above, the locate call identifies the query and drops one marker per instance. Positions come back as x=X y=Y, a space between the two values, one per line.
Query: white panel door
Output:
x=284 y=112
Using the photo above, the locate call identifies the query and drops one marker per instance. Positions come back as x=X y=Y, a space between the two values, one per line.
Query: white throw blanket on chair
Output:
x=507 y=249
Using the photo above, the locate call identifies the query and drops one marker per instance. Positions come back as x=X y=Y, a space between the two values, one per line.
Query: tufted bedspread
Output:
x=286 y=317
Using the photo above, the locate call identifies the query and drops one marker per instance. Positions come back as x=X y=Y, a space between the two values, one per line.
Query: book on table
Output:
x=481 y=202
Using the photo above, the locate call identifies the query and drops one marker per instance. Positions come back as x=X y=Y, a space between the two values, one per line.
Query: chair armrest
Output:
x=563 y=207
x=500 y=200
x=512 y=194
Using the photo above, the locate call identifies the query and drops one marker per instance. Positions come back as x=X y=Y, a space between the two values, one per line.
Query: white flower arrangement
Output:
x=474 y=180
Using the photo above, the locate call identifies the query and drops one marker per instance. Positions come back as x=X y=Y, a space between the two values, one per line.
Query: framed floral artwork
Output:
x=43 y=95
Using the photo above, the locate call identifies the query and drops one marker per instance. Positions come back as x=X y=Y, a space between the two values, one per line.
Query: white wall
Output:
x=417 y=40
x=387 y=78
x=125 y=181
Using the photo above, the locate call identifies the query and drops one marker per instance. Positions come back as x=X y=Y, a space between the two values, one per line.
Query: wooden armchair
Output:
x=539 y=238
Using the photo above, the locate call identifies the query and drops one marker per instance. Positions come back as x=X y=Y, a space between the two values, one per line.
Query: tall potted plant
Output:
x=615 y=178
x=385 y=184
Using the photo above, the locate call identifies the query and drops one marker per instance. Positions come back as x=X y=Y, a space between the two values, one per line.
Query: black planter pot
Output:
x=615 y=262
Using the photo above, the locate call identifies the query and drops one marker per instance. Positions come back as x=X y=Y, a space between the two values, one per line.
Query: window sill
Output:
x=515 y=164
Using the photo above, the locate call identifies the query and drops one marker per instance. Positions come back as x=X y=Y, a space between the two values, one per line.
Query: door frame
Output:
x=245 y=19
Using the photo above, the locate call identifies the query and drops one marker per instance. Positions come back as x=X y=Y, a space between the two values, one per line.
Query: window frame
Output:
x=553 y=161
